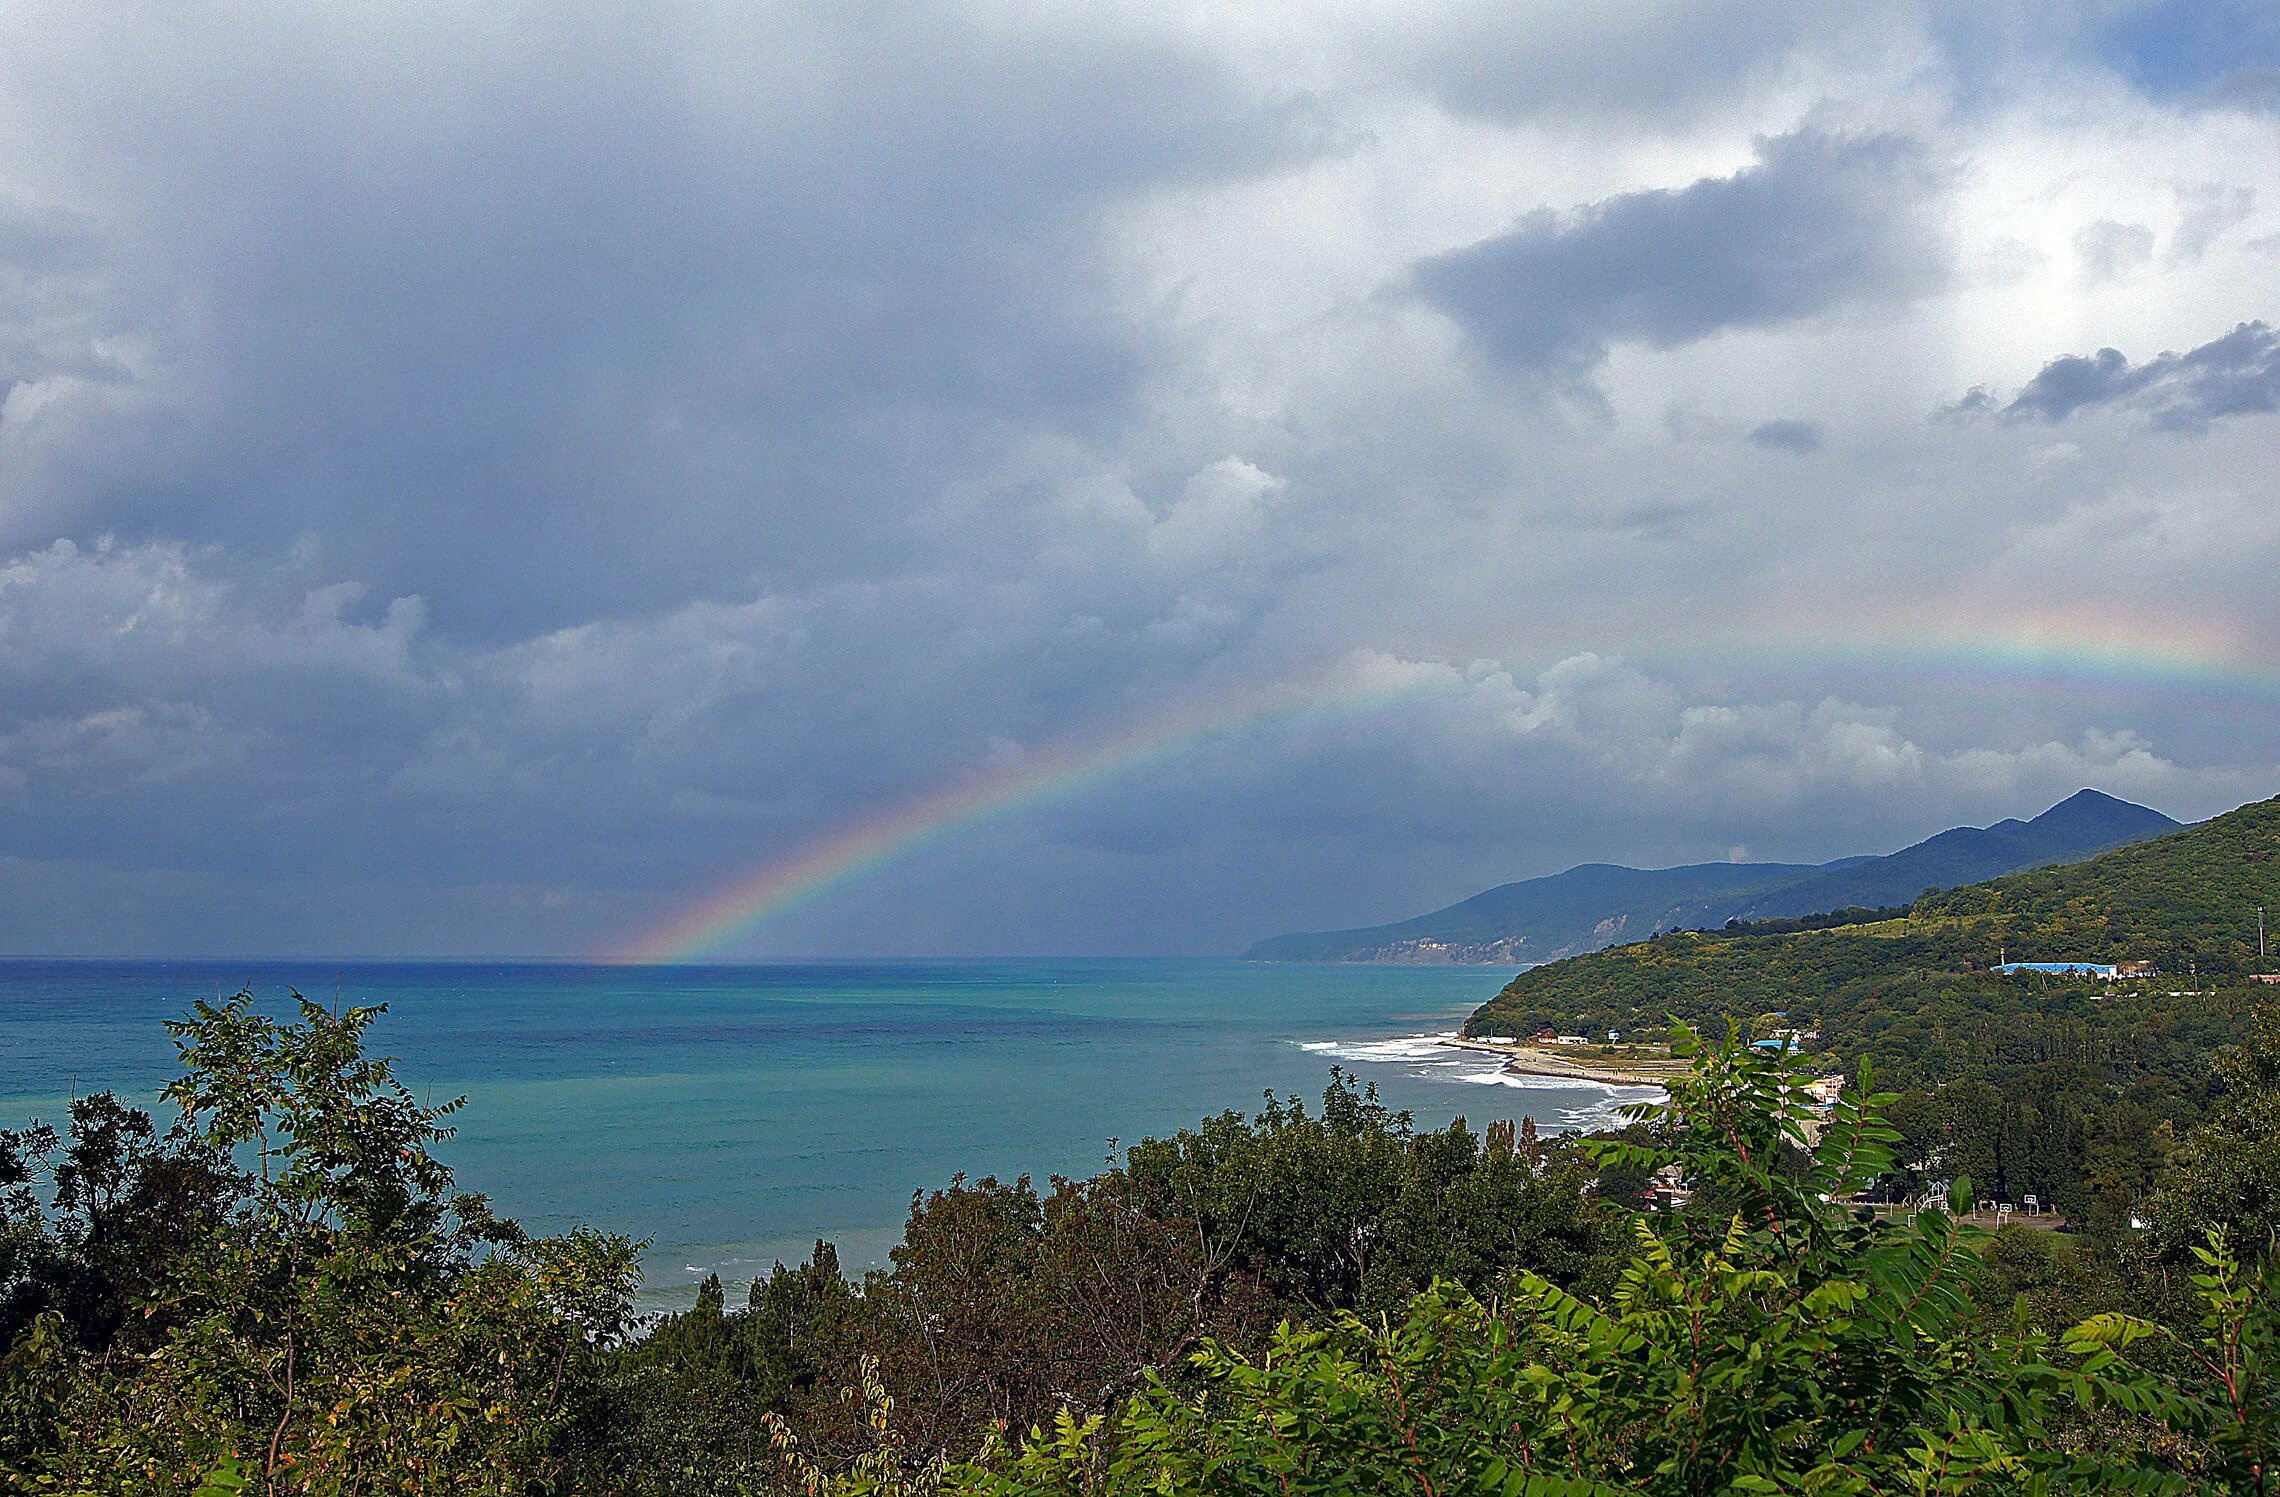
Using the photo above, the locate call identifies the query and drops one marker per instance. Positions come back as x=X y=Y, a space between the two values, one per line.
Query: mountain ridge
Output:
x=2184 y=904
x=1592 y=906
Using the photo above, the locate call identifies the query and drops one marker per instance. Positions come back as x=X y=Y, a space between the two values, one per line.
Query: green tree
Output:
x=1803 y=1345
x=2227 y=1172
x=340 y=1320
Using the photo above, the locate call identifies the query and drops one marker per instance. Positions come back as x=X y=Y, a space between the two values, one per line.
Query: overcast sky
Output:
x=474 y=479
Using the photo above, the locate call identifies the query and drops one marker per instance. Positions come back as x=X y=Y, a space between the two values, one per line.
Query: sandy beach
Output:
x=1540 y=1060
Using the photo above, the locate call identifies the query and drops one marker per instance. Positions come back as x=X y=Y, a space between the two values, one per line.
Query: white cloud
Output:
x=1222 y=508
x=2110 y=251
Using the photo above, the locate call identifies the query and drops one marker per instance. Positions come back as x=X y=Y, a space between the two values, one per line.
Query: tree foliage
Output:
x=1805 y=1346
x=285 y=1292
x=1005 y=1305
x=327 y=1315
x=2185 y=902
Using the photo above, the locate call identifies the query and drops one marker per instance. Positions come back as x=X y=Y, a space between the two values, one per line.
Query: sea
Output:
x=732 y=1115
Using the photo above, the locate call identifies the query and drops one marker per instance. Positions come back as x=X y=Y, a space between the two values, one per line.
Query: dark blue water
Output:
x=734 y=1114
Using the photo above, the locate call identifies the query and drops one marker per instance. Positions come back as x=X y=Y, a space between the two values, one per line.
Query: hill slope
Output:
x=1600 y=904
x=2084 y=823
x=2186 y=902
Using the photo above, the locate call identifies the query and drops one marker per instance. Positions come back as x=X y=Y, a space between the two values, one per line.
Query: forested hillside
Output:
x=2187 y=902
x=2072 y=1090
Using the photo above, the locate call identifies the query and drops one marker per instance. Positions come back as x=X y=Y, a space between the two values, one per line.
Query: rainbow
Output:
x=2108 y=649
x=1358 y=683
x=2017 y=652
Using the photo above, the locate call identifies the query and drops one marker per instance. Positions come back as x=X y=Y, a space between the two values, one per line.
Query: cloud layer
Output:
x=2234 y=375
x=475 y=482
x=1817 y=222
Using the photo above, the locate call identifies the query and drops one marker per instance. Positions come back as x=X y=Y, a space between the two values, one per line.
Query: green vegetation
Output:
x=2227 y=1173
x=285 y=1292
x=1789 y=925
x=1541 y=919
x=1787 y=1343
x=2073 y=1090
x=2185 y=902
x=1006 y=1306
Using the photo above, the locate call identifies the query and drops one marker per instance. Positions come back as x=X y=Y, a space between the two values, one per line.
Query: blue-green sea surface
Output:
x=734 y=1114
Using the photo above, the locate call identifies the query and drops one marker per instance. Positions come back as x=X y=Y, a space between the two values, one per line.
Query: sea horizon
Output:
x=736 y=1112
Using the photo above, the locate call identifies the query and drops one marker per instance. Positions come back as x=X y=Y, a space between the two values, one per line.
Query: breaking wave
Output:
x=1580 y=1105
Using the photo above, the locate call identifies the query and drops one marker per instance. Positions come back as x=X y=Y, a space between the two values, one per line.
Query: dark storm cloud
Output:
x=478 y=478
x=1787 y=436
x=2254 y=88
x=608 y=315
x=2235 y=375
x=1662 y=58
x=52 y=320
x=1820 y=221
x=2173 y=48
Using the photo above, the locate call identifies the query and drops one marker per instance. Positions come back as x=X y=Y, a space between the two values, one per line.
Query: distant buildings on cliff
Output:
x=2110 y=971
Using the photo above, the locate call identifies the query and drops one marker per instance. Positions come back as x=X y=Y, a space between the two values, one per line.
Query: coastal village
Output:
x=1611 y=1061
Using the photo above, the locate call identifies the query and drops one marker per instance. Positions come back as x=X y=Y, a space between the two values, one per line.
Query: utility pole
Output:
x=2260 y=952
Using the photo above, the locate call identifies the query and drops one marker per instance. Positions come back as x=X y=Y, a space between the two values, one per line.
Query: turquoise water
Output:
x=734 y=1114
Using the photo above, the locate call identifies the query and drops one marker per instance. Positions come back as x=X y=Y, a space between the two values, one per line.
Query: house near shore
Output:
x=1668 y=1188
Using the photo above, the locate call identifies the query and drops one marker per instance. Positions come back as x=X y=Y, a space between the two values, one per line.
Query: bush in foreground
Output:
x=1804 y=1346
x=284 y=1293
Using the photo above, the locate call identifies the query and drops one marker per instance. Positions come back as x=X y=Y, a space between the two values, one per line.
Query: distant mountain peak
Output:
x=2087 y=802
x=2089 y=795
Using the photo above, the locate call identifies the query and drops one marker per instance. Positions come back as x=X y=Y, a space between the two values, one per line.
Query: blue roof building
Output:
x=2062 y=969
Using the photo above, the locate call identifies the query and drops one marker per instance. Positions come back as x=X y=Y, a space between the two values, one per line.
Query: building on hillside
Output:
x=2136 y=969
x=1823 y=1090
x=2060 y=969
x=2273 y=977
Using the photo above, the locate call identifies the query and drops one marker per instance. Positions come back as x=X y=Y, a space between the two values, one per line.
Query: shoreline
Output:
x=1533 y=1062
